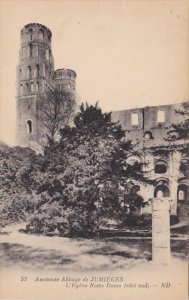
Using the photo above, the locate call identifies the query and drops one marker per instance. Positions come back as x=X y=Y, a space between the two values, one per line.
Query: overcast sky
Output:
x=125 y=53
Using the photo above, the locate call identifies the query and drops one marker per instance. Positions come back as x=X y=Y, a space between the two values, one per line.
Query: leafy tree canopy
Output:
x=85 y=176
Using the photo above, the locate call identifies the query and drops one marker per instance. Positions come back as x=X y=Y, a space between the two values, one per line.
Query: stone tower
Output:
x=35 y=75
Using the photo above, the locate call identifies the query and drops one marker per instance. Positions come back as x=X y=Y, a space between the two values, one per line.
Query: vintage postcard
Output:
x=94 y=143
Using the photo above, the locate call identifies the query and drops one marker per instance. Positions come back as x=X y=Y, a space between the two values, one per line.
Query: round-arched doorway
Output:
x=183 y=192
x=162 y=189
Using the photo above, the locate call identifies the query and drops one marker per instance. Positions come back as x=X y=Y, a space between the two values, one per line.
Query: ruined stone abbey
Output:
x=146 y=127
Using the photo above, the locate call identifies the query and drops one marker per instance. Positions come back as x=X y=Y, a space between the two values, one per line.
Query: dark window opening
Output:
x=30 y=34
x=148 y=135
x=37 y=71
x=37 y=87
x=27 y=87
x=160 y=167
x=29 y=72
x=184 y=167
x=161 y=191
x=41 y=34
x=30 y=51
x=21 y=89
x=29 y=126
x=183 y=193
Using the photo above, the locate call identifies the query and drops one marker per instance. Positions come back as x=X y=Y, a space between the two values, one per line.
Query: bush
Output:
x=140 y=222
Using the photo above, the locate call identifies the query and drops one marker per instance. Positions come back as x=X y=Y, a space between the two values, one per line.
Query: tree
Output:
x=16 y=199
x=181 y=130
x=85 y=179
x=56 y=109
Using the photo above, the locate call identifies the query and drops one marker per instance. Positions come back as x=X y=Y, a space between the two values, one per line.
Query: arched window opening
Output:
x=184 y=167
x=69 y=86
x=161 y=116
x=148 y=135
x=183 y=193
x=35 y=51
x=47 y=54
x=30 y=34
x=37 y=87
x=29 y=72
x=37 y=71
x=27 y=87
x=161 y=190
x=134 y=119
x=160 y=167
x=32 y=87
x=30 y=51
x=133 y=159
x=41 y=34
x=29 y=126
x=20 y=73
x=21 y=89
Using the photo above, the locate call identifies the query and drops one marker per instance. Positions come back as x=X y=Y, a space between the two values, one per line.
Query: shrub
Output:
x=140 y=222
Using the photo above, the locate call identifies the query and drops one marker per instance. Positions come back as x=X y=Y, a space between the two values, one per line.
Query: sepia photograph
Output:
x=94 y=144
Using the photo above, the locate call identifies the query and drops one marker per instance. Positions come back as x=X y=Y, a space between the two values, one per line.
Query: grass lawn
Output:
x=34 y=256
x=36 y=252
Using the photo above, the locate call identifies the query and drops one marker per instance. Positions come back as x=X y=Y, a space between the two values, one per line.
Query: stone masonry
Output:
x=147 y=128
x=35 y=75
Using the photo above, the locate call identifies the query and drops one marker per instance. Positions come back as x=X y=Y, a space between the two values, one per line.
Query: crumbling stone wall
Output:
x=148 y=127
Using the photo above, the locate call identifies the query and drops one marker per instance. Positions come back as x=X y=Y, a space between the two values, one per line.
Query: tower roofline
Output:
x=41 y=26
x=66 y=70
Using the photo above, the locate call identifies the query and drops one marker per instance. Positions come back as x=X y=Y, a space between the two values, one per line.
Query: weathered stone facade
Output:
x=147 y=127
x=35 y=75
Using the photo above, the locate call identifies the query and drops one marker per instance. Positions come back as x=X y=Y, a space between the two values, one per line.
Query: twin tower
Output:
x=35 y=75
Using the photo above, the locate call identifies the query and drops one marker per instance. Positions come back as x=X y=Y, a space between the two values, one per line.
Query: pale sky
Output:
x=126 y=53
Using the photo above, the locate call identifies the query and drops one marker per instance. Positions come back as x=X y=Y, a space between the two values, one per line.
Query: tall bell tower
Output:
x=35 y=74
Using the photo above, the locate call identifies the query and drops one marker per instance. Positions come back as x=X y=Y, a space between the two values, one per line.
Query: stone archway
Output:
x=183 y=201
x=162 y=189
x=183 y=192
